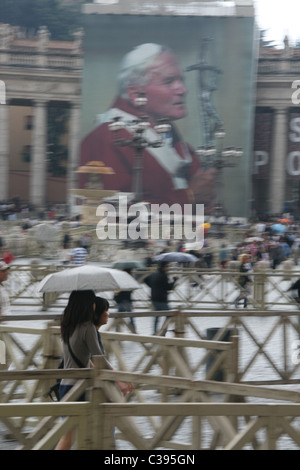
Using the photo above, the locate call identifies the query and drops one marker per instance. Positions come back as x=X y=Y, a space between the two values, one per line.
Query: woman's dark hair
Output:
x=80 y=309
x=101 y=306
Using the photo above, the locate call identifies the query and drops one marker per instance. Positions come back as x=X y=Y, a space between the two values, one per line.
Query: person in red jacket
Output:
x=172 y=173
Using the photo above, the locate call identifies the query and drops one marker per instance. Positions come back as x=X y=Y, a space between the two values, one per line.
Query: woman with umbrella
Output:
x=80 y=321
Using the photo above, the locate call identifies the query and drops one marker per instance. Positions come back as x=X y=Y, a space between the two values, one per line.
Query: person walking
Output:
x=124 y=303
x=78 y=255
x=160 y=287
x=223 y=256
x=243 y=280
x=295 y=291
x=4 y=296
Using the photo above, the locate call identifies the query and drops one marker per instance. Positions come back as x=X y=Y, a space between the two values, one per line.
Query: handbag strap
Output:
x=100 y=343
x=78 y=362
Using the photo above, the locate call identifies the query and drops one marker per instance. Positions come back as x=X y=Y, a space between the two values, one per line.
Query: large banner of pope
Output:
x=195 y=74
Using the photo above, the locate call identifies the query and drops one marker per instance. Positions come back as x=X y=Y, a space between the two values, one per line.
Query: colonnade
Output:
x=39 y=150
x=37 y=72
x=279 y=148
x=278 y=153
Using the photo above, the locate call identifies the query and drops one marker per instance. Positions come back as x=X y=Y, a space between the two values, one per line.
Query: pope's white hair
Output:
x=134 y=66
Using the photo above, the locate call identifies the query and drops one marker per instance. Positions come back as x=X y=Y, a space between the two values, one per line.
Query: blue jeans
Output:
x=158 y=306
x=63 y=390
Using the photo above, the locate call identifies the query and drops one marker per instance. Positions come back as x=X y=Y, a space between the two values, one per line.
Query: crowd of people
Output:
x=15 y=210
x=268 y=245
x=85 y=313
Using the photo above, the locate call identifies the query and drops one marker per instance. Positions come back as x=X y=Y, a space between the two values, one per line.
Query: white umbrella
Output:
x=88 y=277
x=254 y=239
x=176 y=257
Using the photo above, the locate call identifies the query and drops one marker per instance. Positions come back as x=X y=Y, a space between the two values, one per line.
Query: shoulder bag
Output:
x=54 y=390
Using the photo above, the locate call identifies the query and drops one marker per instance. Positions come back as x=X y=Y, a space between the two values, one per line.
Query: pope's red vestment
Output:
x=160 y=184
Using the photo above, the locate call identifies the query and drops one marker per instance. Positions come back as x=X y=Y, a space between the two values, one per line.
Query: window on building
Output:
x=26 y=153
x=28 y=122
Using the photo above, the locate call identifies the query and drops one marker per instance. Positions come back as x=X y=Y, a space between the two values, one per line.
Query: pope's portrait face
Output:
x=165 y=92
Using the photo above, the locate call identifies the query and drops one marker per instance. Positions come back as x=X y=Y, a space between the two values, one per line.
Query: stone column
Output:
x=4 y=151
x=73 y=154
x=39 y=153
x=278 y=161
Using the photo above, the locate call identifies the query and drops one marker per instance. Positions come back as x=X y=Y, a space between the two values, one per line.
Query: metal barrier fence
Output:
x=173 y=394
x=267 y=343
x=192 y=421
x=153 y=355
x=195 y=289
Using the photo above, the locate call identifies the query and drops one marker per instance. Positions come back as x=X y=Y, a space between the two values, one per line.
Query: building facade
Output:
x=276 y=155
x=37 y=75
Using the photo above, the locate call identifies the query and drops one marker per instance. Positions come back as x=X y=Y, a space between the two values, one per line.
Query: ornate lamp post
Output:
x=219 y=158
x=139 y=142
x=212 y=152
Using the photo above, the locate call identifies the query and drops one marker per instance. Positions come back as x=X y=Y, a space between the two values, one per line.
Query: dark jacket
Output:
x=122 y=296
x=123 y=300
x=295 y=286
x=160 y=286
